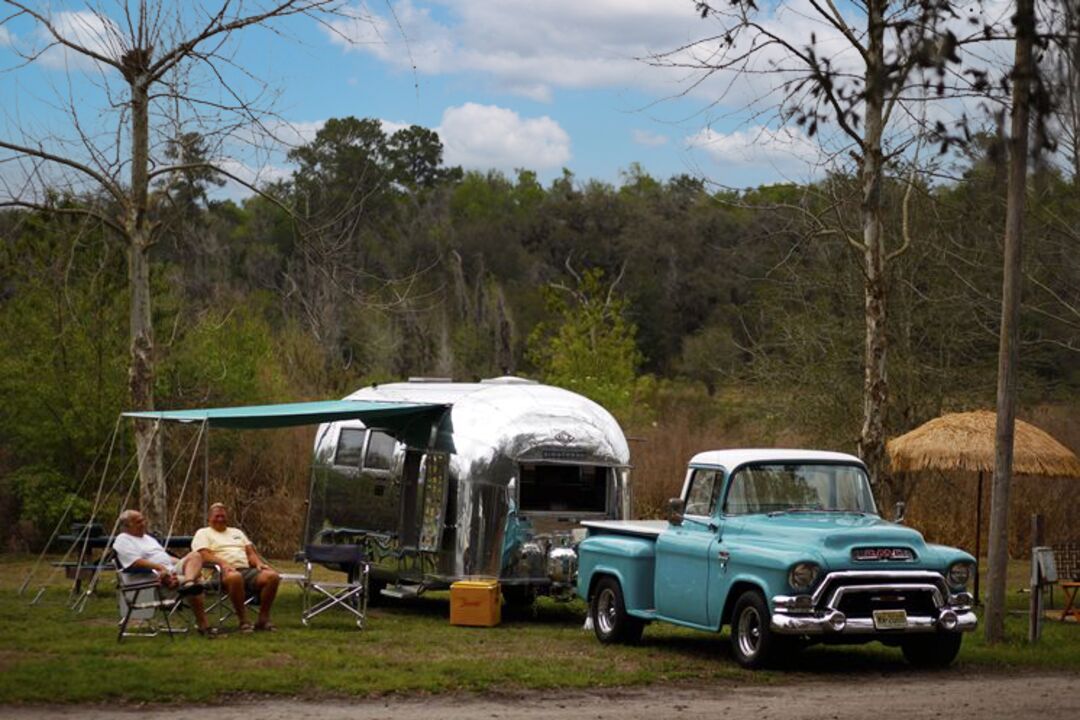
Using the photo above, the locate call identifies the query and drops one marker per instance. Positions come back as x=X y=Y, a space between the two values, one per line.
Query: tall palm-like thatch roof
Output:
x=965 y=442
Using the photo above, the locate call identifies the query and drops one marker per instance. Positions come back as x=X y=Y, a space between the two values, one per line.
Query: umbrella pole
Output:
x=978 y=533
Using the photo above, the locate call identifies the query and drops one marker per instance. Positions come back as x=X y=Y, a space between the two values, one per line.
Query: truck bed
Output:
x=640 y=528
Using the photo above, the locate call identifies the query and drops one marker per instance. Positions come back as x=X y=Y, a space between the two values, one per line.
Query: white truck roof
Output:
x=732 y=458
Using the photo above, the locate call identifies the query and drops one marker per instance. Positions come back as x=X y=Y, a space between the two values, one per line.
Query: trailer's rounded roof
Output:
x=513 y=414
x=450 y=393
x=735 y=457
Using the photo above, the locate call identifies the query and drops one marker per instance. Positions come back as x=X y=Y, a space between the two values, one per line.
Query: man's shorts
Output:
x=249 y=574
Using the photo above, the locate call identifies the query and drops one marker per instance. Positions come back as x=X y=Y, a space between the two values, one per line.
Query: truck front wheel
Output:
x=610 y=621
x=932 y=651
x=753 y=643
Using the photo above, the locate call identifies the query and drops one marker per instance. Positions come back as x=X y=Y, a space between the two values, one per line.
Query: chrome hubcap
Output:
x=749 y=632
x=606 y=611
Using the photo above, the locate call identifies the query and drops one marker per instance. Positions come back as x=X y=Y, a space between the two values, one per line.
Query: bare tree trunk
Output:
x=1072 y=87
x=875 y=381
x=141 y=371
x=1010 y=321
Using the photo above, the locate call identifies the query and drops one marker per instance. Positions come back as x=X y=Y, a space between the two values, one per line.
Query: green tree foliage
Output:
x=63 y=342
x=46 y=496
x=396 y=265
x=590 y=345
x=223 y=358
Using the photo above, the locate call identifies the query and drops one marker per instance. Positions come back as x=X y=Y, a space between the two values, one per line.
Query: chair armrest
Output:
x=138 y=585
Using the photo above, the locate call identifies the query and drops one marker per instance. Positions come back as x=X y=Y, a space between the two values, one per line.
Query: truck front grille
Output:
x=860 y=604
x=858 y=593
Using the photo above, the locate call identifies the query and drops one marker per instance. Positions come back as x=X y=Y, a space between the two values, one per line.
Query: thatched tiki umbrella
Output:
x=965 y=442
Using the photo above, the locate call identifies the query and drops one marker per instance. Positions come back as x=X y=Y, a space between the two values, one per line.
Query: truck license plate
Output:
x=890 y=619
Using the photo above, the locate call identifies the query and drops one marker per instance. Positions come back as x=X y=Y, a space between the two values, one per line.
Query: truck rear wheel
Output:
x=932 y=651
x=607 y=610
x=753 y=643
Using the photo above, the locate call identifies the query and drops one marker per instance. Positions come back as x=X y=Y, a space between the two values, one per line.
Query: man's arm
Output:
x=253 y=558
x=211 y=557
x=143 y=564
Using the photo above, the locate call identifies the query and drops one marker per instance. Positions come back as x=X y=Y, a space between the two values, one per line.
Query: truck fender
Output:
x=600 y=571
x=739 y=585
x=637 y=594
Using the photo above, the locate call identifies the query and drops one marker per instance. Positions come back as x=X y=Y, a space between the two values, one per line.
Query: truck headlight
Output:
x=960 y=573
x=803 y=575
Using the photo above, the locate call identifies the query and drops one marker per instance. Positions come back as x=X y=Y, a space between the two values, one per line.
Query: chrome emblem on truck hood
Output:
x=882 y=554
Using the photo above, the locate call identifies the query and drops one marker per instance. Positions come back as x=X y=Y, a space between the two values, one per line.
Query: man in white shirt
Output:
x=243 y=571
x=137 y=550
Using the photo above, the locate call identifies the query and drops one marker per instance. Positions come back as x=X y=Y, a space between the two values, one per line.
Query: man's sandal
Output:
x=190 y=587
x=265 y=627
x=210 y=633
x=247 y=628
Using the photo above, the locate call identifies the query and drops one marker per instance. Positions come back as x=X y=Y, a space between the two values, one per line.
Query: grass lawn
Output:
x=50 y=654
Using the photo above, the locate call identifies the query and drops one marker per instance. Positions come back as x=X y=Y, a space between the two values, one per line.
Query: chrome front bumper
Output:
x=818 y=614
x=834 y=623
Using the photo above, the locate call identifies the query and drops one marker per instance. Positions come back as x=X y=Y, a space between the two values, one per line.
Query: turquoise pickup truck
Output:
x=786 y=547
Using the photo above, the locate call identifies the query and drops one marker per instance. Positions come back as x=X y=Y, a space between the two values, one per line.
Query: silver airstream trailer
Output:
x=506 y=474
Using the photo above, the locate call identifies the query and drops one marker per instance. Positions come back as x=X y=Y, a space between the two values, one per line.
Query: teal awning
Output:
x=410 y=422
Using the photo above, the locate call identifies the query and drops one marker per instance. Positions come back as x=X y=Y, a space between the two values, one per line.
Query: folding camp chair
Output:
x=141 y=598
x=220 y=608
x=319 y=595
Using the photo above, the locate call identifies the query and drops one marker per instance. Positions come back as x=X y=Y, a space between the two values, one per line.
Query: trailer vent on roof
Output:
x=431 y=380
x=508 y=380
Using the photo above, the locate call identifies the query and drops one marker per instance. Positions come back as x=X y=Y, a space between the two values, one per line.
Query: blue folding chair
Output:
x=320 y=595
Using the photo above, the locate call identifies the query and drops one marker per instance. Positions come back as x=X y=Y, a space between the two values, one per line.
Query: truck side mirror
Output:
x=676 y=506
x=898 y=513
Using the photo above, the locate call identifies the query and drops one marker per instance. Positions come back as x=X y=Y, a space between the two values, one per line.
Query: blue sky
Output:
x=536 y=84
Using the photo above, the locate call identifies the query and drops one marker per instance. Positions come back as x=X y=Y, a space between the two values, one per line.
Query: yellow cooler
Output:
x=476 y=603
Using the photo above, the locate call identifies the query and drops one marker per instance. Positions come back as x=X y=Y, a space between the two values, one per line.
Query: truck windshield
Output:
x=809 y=487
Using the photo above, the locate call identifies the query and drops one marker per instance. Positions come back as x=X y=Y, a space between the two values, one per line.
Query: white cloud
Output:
x=487 y=136
x=91 y=30
x=288 y=133
x=250 y=174
x=787 y=150
x=531 y=49
x=526 y=47
x=390 y=127
x=649 y=139
x=6 y=37
x=482 y=137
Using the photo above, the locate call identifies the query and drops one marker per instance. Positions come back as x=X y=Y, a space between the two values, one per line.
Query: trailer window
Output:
x=380 y=451
x=350 y=447
x=564 y=488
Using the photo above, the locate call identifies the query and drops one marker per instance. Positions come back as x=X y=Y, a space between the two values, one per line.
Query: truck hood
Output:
x=834 y=535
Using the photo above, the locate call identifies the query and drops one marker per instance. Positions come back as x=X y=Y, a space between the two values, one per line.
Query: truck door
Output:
x=684 y=553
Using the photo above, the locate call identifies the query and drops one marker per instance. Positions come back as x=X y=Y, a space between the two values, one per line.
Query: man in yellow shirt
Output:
x=243 y=571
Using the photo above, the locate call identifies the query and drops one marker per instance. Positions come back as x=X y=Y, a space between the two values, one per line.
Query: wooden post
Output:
x=1035 y=610
x=1008 y=351
x=978 y=535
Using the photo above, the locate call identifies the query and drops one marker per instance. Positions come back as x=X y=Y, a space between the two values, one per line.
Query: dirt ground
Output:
x=1046 y=697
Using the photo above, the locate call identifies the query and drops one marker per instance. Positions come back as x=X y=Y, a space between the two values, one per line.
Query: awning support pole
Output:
x=206 y=469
